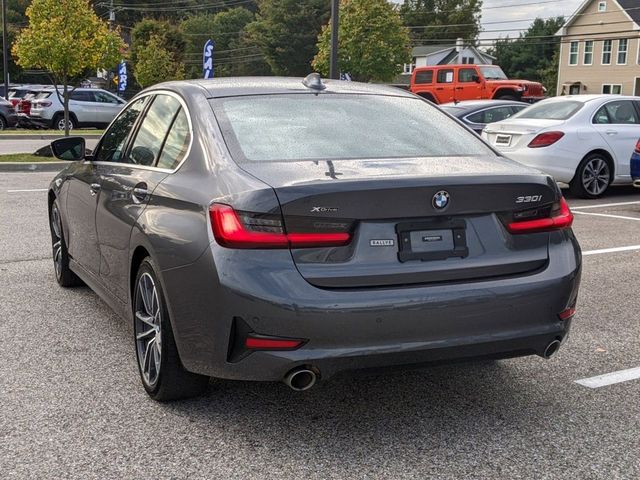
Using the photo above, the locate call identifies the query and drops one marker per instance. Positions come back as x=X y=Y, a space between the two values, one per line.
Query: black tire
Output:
x=167 y=379
x=428 y=97
x=593 y=177
x=58 y=122
x=64 y=276
x=507 y=97
x=3 y=123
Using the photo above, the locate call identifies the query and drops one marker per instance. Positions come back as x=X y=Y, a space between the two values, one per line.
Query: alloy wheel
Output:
x=596 y=176
x=61 y=124
x=2 y=124
x=148 y=329
x=56 y=241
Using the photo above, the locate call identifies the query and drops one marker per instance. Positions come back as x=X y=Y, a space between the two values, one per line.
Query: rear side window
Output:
x=145 y=148
x=561 y=110
x=177 y=142
x=114 y=140
x=342 y=126
x=620 y=113
x=425 y=76
x=81 y=96
x=491 y=115
x=445 y=76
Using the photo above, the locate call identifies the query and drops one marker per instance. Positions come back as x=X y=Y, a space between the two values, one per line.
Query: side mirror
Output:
x=476 y=78
x=69 y=148
x=142 y=156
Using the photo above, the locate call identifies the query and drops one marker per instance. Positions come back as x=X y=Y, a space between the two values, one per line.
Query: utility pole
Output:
x=333 y=65
x=5 y=49
x=112 y=15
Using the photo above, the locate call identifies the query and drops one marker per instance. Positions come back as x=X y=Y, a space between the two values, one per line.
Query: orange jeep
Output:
x=452 y=83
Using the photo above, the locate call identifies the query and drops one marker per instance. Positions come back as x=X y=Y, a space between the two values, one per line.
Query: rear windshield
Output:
x=42 y=95
x=561 y=110
x=339 y=126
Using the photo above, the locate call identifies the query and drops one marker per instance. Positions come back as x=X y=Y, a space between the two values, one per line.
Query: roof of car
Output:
x=591 y=97
x=469 y=105
x=238 y=86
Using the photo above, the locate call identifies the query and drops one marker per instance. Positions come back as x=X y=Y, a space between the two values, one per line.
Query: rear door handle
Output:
x=94 y=188
x=611 y=132
x=140 y=192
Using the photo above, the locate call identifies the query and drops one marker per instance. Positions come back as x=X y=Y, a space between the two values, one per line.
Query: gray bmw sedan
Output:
x=286 y=229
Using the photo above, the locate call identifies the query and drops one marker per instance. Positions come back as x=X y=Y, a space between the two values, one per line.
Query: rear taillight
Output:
x=637 y=149
x=567 y=314
x=560 y=217
x=545 y=139
x=233 y=229
x=42 y=104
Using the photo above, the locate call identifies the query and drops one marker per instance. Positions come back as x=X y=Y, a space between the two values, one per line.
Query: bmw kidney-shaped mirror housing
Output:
x=69 y=148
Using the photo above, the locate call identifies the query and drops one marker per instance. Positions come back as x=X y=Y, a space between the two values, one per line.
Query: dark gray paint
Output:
x=208 y=287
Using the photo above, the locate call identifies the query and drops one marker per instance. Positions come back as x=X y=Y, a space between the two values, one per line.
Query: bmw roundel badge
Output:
x=440 y=200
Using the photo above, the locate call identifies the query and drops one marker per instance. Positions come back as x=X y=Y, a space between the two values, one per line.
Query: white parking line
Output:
x=605 y=205
x=610 y=378
x=29 y=190
x=611 y=250
x=621 y=217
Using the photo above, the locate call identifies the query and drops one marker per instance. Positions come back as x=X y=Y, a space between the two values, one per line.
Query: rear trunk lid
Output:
x=399 y=235
x=517 y=133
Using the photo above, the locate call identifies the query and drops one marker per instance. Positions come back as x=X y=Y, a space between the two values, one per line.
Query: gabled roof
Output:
x=427 y=50
x=631 y=9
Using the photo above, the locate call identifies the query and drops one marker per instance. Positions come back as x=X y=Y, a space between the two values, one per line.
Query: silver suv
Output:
x=88 y=107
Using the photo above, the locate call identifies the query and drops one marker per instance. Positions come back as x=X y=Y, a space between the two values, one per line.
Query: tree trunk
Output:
x=65 y=93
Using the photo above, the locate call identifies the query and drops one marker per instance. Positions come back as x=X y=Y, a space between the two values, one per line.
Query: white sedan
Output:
x=583 y=140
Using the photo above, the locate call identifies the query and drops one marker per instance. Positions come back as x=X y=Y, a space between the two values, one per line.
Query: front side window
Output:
x=445 y=76
x=114 y=140
x=556 y=110
x=102 y=97
x=81 y=96
x=145 y=148
x=623 y=45
x=607 y=47
x=573 y=53
x=620 y=113
x=492 y=72
x=278 y=128
x=588 y=52
x=466 y=74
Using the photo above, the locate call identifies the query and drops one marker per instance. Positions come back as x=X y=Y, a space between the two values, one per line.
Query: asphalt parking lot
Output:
x=71 y=404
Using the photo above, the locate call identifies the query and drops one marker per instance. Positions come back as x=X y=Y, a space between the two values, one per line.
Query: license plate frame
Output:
x=458 y=228
x=506 y=140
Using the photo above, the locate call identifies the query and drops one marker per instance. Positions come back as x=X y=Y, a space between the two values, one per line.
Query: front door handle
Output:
x=140 y=192
x=94 y=189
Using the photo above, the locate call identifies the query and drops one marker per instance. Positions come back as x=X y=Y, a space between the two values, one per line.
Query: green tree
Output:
x=286 y=32
x=534 y=54
x=170 y=35
x=372 y=43
x=156 y=64
x=442 y=20
x=65 y=38
x=234 y=55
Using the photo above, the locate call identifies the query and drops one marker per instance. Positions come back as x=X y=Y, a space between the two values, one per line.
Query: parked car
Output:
x=8 y=117
x=583 y=140
x=279 y=229
x=17 y=93
x=477 y=114
x=447 y=83
x=88 y=107
x=635 y=165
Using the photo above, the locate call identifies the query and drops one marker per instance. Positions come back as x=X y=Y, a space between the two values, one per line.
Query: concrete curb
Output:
x=45 y=137
x=32 y=167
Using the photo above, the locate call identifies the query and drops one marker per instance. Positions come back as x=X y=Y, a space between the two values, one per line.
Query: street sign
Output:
x=207 y=59
x=122 y=77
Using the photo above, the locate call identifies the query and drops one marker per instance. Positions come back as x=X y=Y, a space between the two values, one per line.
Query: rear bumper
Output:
x=367 y=328
x=561 y=164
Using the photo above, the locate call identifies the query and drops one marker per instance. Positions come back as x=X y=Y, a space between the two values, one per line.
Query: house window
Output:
x=607 y=47
x=574 y=90
x=573 y=53
x=623 y=45
x=609 y=89
x=468 y=60
x=407 y=68
x=602 y=6
x=588 y=52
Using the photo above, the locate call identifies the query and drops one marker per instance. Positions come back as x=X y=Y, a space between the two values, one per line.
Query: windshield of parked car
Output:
x=557 y=110
x=339 y=126
x=492 y=72
x=43 y=95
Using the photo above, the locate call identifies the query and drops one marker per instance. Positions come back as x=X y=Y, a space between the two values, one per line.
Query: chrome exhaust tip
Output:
x=300 y=379
x=636 y=183
x=551 y=349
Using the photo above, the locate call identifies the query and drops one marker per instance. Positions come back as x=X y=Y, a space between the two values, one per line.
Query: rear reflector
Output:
x=545 y=139
x=560 y=218
x=246 y=231
x=272 y=343
x=567 y=314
